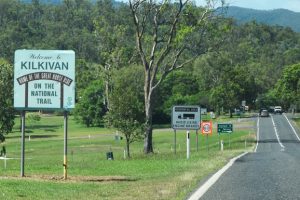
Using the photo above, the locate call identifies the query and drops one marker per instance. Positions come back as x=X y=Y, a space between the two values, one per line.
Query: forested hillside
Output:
x=238 y=61
x=281 y=17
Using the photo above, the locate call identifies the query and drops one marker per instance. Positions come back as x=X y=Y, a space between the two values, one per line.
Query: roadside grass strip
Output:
x=161 y=175
x=291 y=126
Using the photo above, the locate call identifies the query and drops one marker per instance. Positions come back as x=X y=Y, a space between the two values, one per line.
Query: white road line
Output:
x=276 y=132
x=4 y=158
x=291 y=127
x=257 y=134
x=203 y=189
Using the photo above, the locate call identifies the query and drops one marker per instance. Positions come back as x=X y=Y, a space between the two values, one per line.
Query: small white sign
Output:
x=243 y=103
x=203 y=111
x=44 y=79
x=186 y=117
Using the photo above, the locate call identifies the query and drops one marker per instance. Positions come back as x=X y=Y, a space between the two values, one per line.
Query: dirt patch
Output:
x=99 y=179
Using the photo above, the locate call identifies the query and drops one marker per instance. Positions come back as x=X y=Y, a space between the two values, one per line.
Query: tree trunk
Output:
x=148 y=148
x=107 y=78
x=127 y=147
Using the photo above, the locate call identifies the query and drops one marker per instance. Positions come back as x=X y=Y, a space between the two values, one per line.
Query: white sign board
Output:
x=203 y=111
x=186 y=117
x=44 y=79
x=244 y=103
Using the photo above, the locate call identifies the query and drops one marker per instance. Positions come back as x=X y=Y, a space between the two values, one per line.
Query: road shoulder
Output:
x=213 y=179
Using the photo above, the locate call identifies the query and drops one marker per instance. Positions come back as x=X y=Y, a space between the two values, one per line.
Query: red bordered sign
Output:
x=206 y=127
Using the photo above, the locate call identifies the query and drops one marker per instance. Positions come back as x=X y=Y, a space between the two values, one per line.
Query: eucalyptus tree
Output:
x=169 y=35
x=6 y=92
x=114 y=36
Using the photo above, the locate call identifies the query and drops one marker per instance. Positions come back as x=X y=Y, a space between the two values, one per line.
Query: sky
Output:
x=293 y=5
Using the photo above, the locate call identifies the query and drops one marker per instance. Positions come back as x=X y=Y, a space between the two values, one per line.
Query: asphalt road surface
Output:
x=272 y=172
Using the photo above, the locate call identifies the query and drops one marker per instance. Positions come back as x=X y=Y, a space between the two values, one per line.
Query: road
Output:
x=272 y=172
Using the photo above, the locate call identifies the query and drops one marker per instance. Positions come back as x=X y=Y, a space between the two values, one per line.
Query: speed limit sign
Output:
x=206 y=127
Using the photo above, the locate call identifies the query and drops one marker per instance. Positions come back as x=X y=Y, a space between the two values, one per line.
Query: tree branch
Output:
x=173 y=67
x=167 y=48
x=139 y=33
x=171 y=34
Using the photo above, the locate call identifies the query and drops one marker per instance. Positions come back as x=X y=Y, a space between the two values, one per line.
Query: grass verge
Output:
x=162 y=175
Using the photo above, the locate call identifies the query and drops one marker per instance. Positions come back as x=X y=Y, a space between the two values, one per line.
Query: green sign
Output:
x=225 y=128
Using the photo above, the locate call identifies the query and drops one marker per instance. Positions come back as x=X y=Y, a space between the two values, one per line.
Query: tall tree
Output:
x=6 y=92
x=115 y=35
x=165 y=40
x=288 y=86
x=127 y=108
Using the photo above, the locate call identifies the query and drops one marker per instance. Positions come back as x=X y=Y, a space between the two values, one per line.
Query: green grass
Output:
x=297 y=121
x=162 y=175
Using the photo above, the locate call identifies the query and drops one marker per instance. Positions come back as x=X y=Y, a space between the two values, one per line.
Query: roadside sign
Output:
x=186 y=117
x=243 y=103
x=206 y=127
x=225 y=128
x=44 y=79
x=203 y=111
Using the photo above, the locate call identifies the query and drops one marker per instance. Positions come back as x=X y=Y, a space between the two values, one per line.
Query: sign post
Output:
x=65 y=144
x=175 y=141
x=44 y=80
x=22 y=143
x=185 y=118
x=188 y=144
x=225 y=128
x=197 y=140
x=206 y=128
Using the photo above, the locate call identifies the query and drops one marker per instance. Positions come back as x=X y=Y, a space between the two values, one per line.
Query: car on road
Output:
x=278 y=109
x=264 y=113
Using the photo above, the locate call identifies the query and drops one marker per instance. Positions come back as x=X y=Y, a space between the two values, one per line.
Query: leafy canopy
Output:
x=6 y=92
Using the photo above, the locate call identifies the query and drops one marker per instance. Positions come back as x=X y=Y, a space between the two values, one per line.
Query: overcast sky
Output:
x=293 y=5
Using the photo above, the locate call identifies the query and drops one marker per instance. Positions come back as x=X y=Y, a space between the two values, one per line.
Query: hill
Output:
x=116 y=3
x=281 y=17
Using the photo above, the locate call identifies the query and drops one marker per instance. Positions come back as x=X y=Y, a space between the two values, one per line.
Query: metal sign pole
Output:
x=207 y=142
x=197 y=139
x=22 y=143
x=175 y=141
x=187 y=144
x=65 y=143
x=229 y=141
x=219 y=141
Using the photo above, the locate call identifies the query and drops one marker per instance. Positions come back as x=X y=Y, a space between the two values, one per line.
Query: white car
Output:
x=264 y=113
x=278 y=109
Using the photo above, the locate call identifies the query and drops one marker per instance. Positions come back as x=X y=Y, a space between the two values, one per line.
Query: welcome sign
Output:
x=44 y=79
